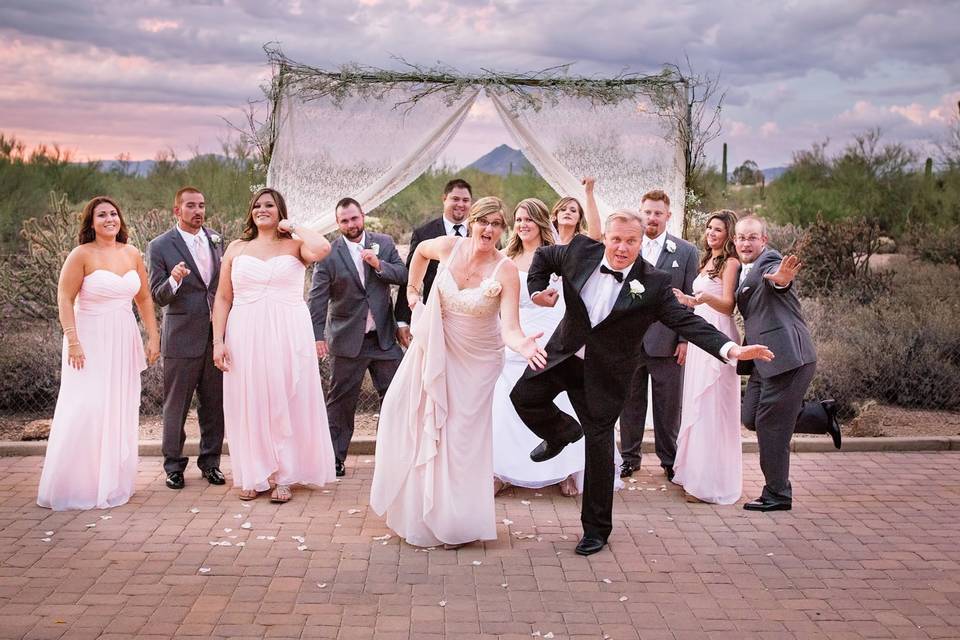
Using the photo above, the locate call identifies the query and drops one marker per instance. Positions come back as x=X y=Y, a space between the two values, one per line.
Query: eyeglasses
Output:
x=496 y=224
x=751 y=238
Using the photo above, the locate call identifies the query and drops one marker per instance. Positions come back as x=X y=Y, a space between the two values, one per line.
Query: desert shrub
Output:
x=836 y=258
x=935 y=245
x=903 y=348
x=30 y=362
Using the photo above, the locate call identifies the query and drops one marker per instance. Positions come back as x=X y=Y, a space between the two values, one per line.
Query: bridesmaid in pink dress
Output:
x=708 y=463
x=91 y=459
x=273 y=407
x=434 y=460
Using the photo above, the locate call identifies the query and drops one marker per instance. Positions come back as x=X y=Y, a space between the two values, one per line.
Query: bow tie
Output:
x=611 y=272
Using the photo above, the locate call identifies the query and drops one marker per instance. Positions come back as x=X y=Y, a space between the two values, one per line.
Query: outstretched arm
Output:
x=546 y=262
x=513 y=335
x=591 y=211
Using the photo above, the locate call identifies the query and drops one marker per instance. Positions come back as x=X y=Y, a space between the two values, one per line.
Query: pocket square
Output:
x=744 y=289
x=675 y=264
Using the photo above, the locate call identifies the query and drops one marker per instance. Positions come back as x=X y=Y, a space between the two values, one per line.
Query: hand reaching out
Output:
x=786 y=271
x=533 y=352
x=751 y=352
x=684 y=299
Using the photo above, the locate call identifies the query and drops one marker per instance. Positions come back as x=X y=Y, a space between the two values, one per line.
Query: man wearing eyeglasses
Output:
x=773 y=402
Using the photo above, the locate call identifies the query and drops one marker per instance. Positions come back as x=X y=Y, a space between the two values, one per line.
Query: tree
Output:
x=747 y=174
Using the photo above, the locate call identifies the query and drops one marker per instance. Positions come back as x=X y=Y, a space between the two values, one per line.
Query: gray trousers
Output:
x=181 y=378
x=346 y=379
x=771 y=406
x=667 y=377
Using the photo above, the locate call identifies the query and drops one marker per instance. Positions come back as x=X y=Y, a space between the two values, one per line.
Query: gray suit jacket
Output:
x=185 y=330
x=336 y=288
x=661 y=341
x=773 y=317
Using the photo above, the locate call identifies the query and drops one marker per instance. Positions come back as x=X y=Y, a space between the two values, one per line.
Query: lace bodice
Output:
x=482 y=300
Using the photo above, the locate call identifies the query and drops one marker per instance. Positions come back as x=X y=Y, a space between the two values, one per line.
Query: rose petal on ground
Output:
x=383 y=537
x=548 y=635
x=48 y=533
x=241 y=544
x=302 y=547
x=45 y=539
x=504 y=585
x=322 y=585
x=227 y=530
x=90 y=526
x=271 y=537
x=608 y=580
x=194 y=510
x=204 y=569
x=353 y=511
x=443 y=603
x=476 y=563
x=624 y=598
x=106 y=517
x=261 y=537
x=246 y=525
x=507 y=522
x=524 y=502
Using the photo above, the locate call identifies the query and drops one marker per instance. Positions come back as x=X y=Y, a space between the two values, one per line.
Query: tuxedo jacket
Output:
x=682 y=264
x=185 y=329
x=773 y=317
x=432 y=229
x=613 y=346
x=336 y=288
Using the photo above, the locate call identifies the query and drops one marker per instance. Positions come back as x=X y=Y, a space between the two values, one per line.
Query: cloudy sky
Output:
x=103 y=78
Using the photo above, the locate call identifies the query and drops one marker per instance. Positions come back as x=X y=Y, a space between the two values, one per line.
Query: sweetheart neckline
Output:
x=288 y=255
x=123 y=275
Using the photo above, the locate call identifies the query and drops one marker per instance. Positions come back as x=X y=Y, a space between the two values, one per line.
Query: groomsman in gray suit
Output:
x=353 y=284
x=773 y=402
x=184 y=269
x=664 y=351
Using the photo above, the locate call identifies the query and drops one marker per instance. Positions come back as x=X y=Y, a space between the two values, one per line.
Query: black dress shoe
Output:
x=668 y=470
x=175 y=480
x=833 y=425
x=213 y=475
x=341 y=469
x=546 y=450
x=766 y=504
x=627 y=469
x=589 y=545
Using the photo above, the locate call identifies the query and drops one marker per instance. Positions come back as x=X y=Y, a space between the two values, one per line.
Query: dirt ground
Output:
x=875 y=421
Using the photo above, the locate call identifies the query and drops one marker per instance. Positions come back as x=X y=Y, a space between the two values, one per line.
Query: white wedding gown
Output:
x=512 y=440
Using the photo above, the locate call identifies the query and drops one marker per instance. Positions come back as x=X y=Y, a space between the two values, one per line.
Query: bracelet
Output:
x=73 y=344
x=410 y=286
x=70 y=330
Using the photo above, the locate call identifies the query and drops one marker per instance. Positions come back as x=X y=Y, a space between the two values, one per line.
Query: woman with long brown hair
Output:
x=273 y=408
x=708 y=462
x=92 y=454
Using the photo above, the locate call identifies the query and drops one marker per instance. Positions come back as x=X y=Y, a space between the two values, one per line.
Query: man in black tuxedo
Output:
x=612 y=298
x=457 y=198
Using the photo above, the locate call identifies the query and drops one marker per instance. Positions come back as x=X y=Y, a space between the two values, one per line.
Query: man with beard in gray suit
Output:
x=353 y=284
x=664 y=352
x=184 y=269
x=773 y=403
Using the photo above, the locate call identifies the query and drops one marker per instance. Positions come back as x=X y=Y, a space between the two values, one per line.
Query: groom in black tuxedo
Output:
x=611 y=299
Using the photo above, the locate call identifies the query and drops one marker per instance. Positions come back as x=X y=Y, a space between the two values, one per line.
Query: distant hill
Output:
x=773 y=173
x=140 y=168
x=502 y=161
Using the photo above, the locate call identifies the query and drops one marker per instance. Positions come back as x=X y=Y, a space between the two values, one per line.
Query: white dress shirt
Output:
x=355 y=249
x=652 y=248
x=449 y=227
x=195 y=242
x=600 y=293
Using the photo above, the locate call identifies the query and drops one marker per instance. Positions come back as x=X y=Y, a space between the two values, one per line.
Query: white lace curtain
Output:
x=371 y=148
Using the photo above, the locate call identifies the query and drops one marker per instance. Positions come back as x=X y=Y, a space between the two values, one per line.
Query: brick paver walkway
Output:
x=872 y=550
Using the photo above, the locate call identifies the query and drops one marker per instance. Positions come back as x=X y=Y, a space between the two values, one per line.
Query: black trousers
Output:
x=667 y=379
x=533 y=399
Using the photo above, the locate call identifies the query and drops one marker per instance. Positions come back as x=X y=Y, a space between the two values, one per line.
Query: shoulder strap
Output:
x=493 y=274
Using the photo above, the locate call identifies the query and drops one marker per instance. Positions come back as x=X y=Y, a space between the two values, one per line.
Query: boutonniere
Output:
x=636 y=289
x=214 y=238
x=375 y=248
x=671 y=246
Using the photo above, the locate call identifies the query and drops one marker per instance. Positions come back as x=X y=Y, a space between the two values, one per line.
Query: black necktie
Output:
x=611 y=272
x=456 y=230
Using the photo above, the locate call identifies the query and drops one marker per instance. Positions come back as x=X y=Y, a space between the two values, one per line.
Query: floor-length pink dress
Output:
x=709 y=461
x=273 y=409
x=434 y=463
x=91 y=459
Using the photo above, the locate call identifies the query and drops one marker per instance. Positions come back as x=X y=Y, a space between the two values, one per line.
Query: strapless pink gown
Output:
x=273 y=409
x=433 y=478
x=709 y=460
x=91 y=459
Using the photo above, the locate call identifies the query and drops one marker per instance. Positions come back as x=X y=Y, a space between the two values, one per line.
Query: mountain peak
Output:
x=502 y=161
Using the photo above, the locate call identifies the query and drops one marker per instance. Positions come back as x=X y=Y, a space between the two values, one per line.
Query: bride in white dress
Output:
x=512 y=440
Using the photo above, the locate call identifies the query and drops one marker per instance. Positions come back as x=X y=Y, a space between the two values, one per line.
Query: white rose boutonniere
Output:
x=671 y=246
x=636 y=289
x=215 y=238
x=375 y=248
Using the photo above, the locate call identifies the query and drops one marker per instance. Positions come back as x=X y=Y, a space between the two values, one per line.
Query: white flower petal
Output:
x=45 y=539
x=204 y=569
x=194 y=510
x=246 y=525
x=443 y=603
x=48 y=533
x=476 y=563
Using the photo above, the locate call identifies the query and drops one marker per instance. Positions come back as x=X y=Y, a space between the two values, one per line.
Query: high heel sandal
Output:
x=281 y=493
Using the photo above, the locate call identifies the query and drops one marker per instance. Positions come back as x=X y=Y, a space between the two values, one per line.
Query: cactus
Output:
x=724 y=170
x=928 y=169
